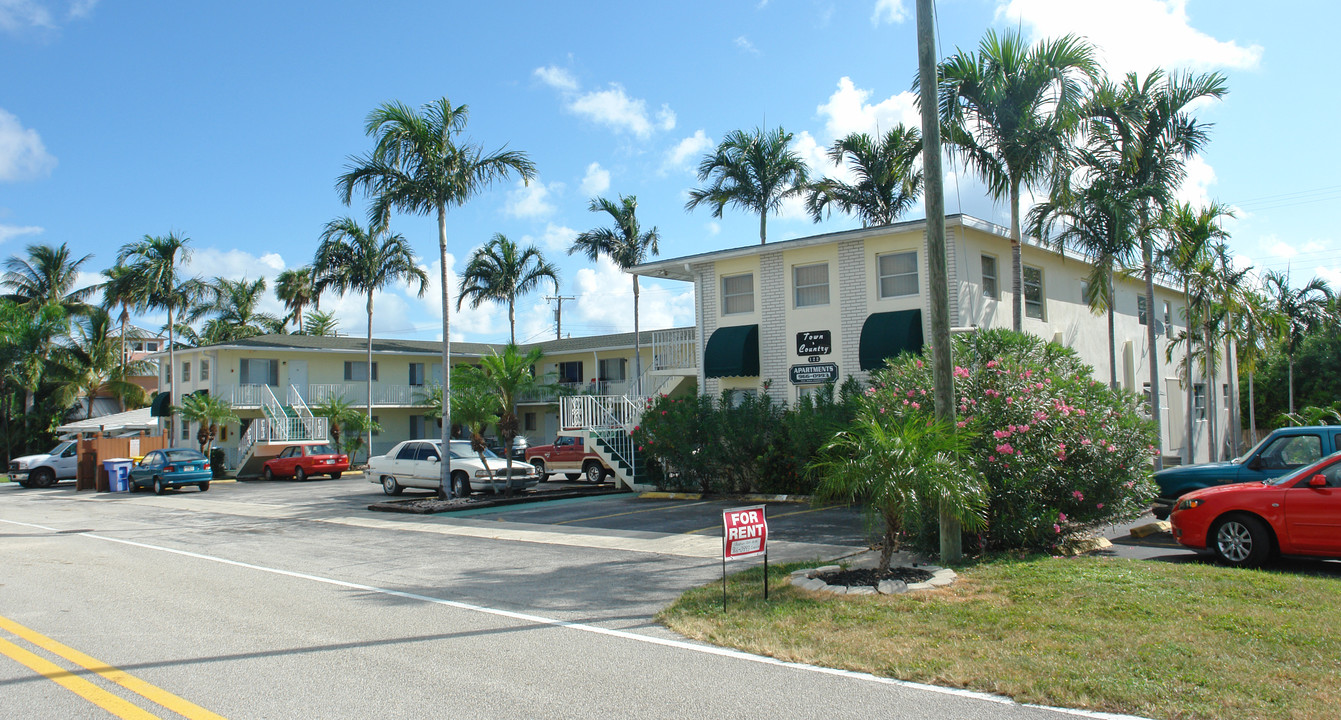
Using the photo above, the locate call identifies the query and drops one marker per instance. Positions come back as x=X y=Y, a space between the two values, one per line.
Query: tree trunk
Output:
x=1112 y=336
x=1016 y=261
x=637 y=345
x=1189 y=456
x=1208 y=347
x=172 y=376
x=1232 y=370
x=446 y=351
x=1252 y=409
x=512 y=321
x=763 y=225
x=1152 y=340
x=368 y=431
x=1290 y=365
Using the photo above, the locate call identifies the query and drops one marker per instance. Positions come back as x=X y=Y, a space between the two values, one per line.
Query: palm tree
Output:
x=47 y=276
x=508 y=375
x=500 y=271
x=1255 y=327
x=474 y=406
x=1299 y=310
x=1233 y=295
x=1147 y=122
x=125 y=288
x=753 y=171
x=627 y=245
x=351 y=258
x=1008 y=111
x=158 y=260
x=207 y=411
x=419 y=165
x=233 y=307
x=321 y=324
x=888 y=181
x=92 y=364
x=296 y=290
x=339 y=414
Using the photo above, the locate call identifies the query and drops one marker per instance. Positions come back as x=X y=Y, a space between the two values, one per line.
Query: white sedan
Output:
x=417 y=464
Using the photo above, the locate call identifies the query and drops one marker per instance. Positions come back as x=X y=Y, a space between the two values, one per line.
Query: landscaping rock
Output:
x=919 y=586
x=861 y=590
x=1161 y=526
x=824 y=570
x=809 y=584
x=892 y=587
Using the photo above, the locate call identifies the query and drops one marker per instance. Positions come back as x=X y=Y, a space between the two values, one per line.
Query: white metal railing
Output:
x=243 y=396
x=674 y=349
x=296 y=402
x=600 y=411
x=284 y=429
x=357 y=393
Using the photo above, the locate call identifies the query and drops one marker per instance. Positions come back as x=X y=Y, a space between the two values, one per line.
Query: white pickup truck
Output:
x=46 y=469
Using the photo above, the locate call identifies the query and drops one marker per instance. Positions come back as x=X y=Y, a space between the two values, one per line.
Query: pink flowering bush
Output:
x=1061 y=453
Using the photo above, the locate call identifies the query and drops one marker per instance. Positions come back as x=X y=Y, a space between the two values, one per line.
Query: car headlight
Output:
x=1188 y=503
x=482 y=473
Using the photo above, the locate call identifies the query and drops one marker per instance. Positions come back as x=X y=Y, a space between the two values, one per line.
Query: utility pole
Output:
x=558 y=313
x=942 y=365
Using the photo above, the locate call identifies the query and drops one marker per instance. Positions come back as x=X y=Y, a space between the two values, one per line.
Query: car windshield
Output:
x=322 y=450
x=59 y=448
x=461 y=448
x=1244 y=457
x=183 y=455
x=1302 y=472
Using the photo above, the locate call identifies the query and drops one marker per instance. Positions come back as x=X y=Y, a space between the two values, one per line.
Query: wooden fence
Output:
x=91 y=475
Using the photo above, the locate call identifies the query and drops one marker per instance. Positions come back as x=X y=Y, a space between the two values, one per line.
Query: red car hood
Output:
x=1239 y=489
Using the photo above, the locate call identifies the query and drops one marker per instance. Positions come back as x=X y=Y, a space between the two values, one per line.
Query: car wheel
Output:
x=572 y=476
x=204 y=487
x=299 y=474
x=539 y=466
x=158 y=486
x=1241 y=541
x=131 y=486
x=336 y=476
x=43 y=478
x=269 y=473
x=594 y=472
x=25 y=483
x=460 y=485
x=390 y=486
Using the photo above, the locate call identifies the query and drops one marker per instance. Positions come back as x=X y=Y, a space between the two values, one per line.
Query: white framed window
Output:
x=186 y=372
x=1199 y=401
x=612 y=369
x=1033 y=292
x=1085 y=293
x=204 y=370
x=570 y=372
x=357 y=371
x=737 y=294
x=812 y=284
x=255 y=371
x=152 y=347
x=1168 y=319
x=1142 y=316
x=416 y=373
x=990 y=286
x=186 y=431
x=738 y=396
x=897 y=273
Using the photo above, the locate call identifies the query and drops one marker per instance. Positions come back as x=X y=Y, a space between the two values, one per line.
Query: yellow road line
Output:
x=630 y=512
x=797 y=512
x=154 y=693
x=75 y=684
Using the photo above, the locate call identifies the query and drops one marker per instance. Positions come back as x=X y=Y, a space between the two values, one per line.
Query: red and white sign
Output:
x=746 y=533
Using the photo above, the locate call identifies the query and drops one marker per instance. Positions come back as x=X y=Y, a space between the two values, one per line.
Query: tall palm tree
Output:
x=887 y=179
x=627 y=245
x=420 y=165
x=354 y=259
x=1233 y=296
x=231 y=306
x=1255 y=327
x=509 y=374
x=1299 y=310
x=752 y=171
x=47 y=276
x=295 y=289
x=91 y=364
x=159 y=261
x=500 y=271
x=124 y=288
x=1148 y=123
x=1009 y=111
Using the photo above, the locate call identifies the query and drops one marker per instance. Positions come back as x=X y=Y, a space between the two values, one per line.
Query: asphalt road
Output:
x=290 y=600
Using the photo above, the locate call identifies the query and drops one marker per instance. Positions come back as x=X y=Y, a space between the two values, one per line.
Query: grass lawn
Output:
x=1140 y=637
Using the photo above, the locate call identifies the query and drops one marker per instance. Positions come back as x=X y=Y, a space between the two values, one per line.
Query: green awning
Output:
x=162 y=405
x=885 y=335
x=732 y=352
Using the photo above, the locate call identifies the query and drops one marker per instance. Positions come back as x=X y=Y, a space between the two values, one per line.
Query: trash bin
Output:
x=118 y=473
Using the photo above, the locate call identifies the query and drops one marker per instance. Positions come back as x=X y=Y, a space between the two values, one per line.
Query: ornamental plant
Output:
x=1061 y=453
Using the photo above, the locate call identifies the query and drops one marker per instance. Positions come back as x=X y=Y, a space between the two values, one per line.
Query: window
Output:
x=186 y=431
x=186 y=372
x=989 y=282
x=408 y=451
x=259 y=372
x=418 y=427
x=416 y=373
x=1142 y=316
x=737 y=294
x=807 y=391
x=1291 y=451
x=1033 y=292
x=204 y=370
x=1084 y=293
x=357 y=371
x=570 y=372
x=738 y=396
x=897 y=274
x=612 y=370
x=152 y=347
x=1199 y=401
x=812 y=284
x=167 y=374
x=1333 y=474
x=1168 y=319
x=1225 y=395
x=427 y=451
x=528 y=421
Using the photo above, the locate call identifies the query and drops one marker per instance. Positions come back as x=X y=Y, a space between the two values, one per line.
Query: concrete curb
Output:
x=659 y=495
x=409 y=507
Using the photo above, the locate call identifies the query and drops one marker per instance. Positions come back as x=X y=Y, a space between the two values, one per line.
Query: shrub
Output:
x=1061 y=453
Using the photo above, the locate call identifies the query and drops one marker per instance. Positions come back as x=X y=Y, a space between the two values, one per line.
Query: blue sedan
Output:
x=171 y=468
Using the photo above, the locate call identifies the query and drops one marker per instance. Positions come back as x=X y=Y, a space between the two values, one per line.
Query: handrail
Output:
x=674 y=349
x=296 y=402
x=601 y=411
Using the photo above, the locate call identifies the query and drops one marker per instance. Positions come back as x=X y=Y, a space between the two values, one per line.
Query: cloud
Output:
x=604 y=302
x=596 y=181
x=890 y=11
x=14 y=231
x=848 y=110
x=556 y=238
x=615 y=109
x=22 y=154
x=744 y=44
x=234 y=264
x=1195 y=189
x=714 y=228
x=557 y=78
x=532 y=200
x=1135 y=35
x=666 y=117
x=17 y=15
x=687 y=149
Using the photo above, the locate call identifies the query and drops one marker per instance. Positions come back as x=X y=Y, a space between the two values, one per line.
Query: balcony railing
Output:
x=674 y=349
x=254 y=396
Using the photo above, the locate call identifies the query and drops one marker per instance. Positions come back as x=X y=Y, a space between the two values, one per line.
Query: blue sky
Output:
x=229 y=122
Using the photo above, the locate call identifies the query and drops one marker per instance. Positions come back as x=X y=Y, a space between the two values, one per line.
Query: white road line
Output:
x=583 y=627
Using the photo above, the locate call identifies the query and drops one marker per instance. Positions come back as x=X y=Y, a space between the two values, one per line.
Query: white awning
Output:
x=119 y=422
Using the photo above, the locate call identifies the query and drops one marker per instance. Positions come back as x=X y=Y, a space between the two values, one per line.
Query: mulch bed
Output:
x=872 y=577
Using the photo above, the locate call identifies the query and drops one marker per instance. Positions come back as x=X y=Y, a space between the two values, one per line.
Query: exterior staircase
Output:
x=605 y=422
x=280 y=425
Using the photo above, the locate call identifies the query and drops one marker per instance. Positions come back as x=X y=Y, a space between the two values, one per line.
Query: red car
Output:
x=303 y=461
x=1248 y=523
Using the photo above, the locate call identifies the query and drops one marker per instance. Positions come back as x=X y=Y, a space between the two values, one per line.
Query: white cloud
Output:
x=1135 y=35
x=687 y=149
x=1195 y=189
x=532 y=200
x=22 y=154
x=596 y=181
x=848 y=111
x=557 y=238
x=714 y=228
x=666 y=117
x=605 y=302
x=234 y=264
x=16 y=15
x=14 y=231
x=891 y=11
x=557 y=78
x=744 y=44
x=615 y=109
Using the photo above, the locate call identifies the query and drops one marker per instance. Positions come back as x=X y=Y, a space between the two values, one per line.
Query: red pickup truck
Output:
x=568 y=455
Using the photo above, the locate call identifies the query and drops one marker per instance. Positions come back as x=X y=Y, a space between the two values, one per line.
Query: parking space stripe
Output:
x=150 y=692
x=75 y=684
x=780 y=515
x=631 y=512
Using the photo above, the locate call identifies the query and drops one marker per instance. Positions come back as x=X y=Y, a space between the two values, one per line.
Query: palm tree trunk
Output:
x=172 y=377
x=637 y=344
x=125 y=315
x=1252 y=409
x=446 y=350
x=368 y=437
x=1152 y=339
x=1290 y=365
x=763 y=225
x=512 y=320
x=1231 y=369
x=1208 y=346
x=1112 y=336
x=1016 y=261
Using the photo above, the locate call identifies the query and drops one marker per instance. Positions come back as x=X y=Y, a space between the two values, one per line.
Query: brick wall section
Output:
x=852 y=294
x=707 y=309
x=773 y=353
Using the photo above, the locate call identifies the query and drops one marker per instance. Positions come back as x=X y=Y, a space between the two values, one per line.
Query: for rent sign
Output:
x=746 y=533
